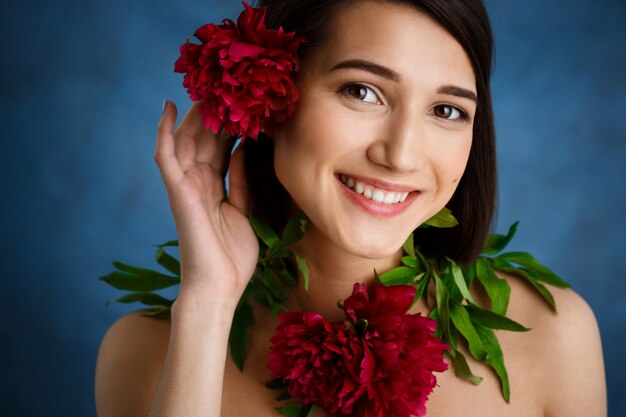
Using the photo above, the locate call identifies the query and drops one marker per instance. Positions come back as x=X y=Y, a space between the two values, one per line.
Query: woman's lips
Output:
x=375 y=208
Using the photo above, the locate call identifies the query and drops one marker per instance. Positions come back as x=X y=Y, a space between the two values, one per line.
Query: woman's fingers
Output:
x=197 y=145
x=213 y=150
x=190 y=146
x=164 y=154
x=185 y=144
x=238 y=196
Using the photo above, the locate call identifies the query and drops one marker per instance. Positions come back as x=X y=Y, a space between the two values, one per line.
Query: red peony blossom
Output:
x=401 y=351
x=319 y=360
x=242 y=73
x=381 y=364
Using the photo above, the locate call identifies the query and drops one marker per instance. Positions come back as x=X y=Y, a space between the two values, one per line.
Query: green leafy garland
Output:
x=459 y=318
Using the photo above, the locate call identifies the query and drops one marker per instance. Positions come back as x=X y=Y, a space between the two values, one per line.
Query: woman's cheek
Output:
x=450 y=158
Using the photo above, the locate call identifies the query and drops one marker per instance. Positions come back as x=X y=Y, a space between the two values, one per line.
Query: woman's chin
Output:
x=373 y=248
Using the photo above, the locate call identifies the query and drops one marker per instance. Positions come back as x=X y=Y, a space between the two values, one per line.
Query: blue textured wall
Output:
x=82 y=84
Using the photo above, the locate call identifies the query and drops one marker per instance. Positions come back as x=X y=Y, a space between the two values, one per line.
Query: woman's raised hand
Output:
x=218 y=247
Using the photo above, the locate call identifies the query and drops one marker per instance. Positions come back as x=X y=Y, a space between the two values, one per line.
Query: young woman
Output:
x=394 y=98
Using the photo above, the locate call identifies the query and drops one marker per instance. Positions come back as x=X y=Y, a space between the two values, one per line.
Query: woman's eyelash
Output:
x=462 y=115
x=362 y=89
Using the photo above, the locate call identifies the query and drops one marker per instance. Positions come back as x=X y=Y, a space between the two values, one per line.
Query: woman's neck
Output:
x=333 y=272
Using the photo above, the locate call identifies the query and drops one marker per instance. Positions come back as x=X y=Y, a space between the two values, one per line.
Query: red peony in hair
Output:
x=381 y=364
x=242 y=73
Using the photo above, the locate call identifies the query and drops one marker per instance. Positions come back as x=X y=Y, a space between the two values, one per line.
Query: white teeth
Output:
x=378 y=196
x=375 y=194
x=389 y=198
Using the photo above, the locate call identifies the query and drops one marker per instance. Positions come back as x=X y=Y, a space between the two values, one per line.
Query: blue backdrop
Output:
x=82 y=85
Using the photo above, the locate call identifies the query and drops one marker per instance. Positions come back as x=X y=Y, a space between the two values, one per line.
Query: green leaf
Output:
x=287 y=278
x=408 y=246
x=462 y=369
x=493 y=320
x=495 y=243
x=158 y=311
x=498 y=289
x=147 y=298
x=167 y=261
x=495 y=358
x=278 y=251
x=422 y=282
x=168 y=243
x=399 y=275
x=294 y=230
x=459 y=280
x=263 y=231
x=462 y=322
x=314 y=409
x=258 y=292
x=240 y=333
x=304 y=271
x=283 y=396
x=469 y=272
x=277 y=308
x=545 y=293
x=135 y=270
x=295 y=410
x=443 y=219
x=535 y=269
x=271 y=281
x=498 y=263
x=276 y=383
x=443 y=312
x=410 y=261
x=146 y=282
x=448 y=280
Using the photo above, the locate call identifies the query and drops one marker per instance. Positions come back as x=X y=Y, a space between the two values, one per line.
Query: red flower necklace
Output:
x=378 y=363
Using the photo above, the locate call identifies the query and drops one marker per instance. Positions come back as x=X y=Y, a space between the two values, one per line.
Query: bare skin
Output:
x=405 y=132
x=544 y=383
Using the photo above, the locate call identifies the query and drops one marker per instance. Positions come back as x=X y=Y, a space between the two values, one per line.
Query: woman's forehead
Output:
x=397 y=36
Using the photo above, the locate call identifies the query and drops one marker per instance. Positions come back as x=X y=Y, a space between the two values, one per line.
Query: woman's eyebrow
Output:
x=368 y=66
x=453 y=90
x=390 y=74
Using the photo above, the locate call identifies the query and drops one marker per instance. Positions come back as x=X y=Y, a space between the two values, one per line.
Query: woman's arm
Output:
x=193 y=372
x=218 y=253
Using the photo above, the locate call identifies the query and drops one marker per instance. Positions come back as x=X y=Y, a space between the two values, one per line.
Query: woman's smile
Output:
x=376 y=197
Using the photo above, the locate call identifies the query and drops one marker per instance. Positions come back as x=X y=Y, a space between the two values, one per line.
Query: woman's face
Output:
x=383 y=128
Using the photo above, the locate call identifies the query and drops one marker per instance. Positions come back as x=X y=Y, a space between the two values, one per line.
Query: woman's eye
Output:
x=448 y=112
x=362 y=93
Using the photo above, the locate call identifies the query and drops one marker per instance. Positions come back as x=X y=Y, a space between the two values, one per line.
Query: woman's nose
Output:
x=402 y=145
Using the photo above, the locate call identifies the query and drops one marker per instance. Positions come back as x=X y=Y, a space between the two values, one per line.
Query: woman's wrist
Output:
x=202 y=304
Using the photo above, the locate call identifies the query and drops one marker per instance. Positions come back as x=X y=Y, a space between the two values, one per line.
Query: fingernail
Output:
x=165 y=102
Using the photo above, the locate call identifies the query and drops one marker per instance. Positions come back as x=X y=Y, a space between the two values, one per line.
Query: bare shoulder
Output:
x=573 y=313
x=129 y=364
x=569 y=345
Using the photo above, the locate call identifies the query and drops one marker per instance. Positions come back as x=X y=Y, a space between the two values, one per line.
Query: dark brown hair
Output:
x=474 y=200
